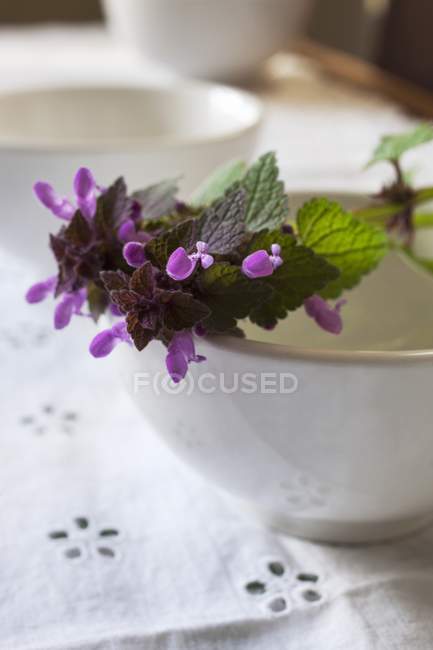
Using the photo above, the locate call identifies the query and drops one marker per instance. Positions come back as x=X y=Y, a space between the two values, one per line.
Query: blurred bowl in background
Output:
x=144 y=134
x=224 y=39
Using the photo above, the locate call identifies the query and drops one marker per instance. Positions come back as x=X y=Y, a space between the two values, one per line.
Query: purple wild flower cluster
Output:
x=168 y=271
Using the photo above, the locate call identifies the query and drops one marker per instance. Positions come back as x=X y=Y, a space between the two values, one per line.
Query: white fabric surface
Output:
x=72 y=447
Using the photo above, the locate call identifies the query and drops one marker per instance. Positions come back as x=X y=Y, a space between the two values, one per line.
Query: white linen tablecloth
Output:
x=107 y=542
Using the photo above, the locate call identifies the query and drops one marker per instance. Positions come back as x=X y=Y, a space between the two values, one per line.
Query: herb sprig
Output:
x=170 y=270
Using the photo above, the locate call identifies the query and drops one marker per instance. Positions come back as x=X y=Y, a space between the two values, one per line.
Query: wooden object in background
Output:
x=365 y=75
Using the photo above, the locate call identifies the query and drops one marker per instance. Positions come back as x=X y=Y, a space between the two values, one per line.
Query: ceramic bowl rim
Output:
x=322 y=355
x=134 y=145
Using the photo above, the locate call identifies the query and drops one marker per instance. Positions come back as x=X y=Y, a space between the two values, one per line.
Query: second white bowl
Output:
x=144 y=134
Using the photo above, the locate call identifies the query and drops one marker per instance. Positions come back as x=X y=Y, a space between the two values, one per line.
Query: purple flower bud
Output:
x=180 y=265
x=127 y=231
x=134 y=254
x=60 y=207
x=85 y=191
x=181 y=352
x=105 y=342
x=63 y=312
x=260 y=264
x=69 y=305
x=41 y=290
x=287 y=229
x=326 y=317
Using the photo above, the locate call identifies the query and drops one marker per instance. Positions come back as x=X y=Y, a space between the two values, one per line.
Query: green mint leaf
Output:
x=78 y=232
x=302 y=274
x=216 y=185
x=97 y=300
x=267 y=202
x=392 y=147
x=222 y=225
x=229 y=295
x=157 y=200
x=182 y=310
x=353 y=246
x=159 y=249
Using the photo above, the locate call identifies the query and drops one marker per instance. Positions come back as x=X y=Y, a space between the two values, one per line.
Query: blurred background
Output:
x=393 y=34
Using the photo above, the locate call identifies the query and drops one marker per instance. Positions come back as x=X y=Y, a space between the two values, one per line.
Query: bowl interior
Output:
x=94 y=117
x=391 y=309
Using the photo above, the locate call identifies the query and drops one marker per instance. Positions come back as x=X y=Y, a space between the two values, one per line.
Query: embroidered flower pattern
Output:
x=83 y=540
x=278 y=589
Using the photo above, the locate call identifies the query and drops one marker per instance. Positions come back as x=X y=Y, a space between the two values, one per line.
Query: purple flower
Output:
x=260 y=264
x=181 y=351
x=180 y=265
x=85 y=191
x=59 y=206
x=326 y=317
x=70 y=304
x=105 y=342
x=133 y=252
x=41 y=290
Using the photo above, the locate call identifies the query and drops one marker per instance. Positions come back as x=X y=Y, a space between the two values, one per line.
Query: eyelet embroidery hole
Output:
x=278 y=605
x=311 y=595
x=276 y=588
x=73 y=553
x=307 y=577
x=255 y=587
x=276 y=568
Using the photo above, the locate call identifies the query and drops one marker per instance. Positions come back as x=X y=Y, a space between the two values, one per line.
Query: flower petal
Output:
x=257 y=265
x=206 y=260
x=85 y=190
x=102 y=344
x=330 y=321
x=177 y=364
x=127 y=231
x=63 y=312
x=50 y=199
x=41 y=290
x=180 y=266
x=133 y=252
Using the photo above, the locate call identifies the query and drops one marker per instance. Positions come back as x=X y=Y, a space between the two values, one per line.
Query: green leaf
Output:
x=222 y=225
x=353 y=246
x=391 y=147
x=267 y=202
x=182 y=310
x=157 y=200
x=97 y=300
x=216 y=185
x=229 y=295
x=302 y=274
x=159 y=249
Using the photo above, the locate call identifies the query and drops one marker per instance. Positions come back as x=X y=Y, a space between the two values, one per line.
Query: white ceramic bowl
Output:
x=144 y=134
x=346 y=453
x=223 y=39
